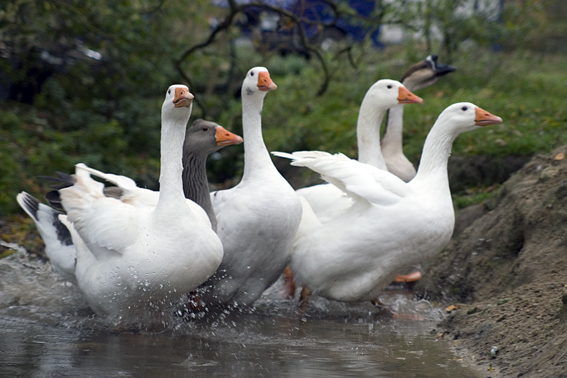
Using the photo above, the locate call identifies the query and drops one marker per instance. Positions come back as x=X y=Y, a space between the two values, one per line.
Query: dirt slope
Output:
x=507 y=273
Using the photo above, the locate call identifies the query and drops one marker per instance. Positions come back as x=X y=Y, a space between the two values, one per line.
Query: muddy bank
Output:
x=507 y=274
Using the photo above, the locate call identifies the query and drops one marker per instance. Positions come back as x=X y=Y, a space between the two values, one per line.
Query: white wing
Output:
x=106 y=225
x=139 y=197
x=326 y=201
x=362 y=182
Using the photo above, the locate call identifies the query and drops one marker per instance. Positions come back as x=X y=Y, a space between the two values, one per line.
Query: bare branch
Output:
x=298 y=21
x=224 y=25
x=157 y=7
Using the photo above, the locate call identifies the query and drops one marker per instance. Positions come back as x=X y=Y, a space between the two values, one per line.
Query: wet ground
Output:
x=507 y=274
x=47 y=330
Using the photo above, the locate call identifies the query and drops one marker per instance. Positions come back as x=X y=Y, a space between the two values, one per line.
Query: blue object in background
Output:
x=275 y=35
x=351 y=26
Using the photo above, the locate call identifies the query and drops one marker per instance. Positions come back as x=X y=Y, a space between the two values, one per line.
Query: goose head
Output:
x=387 y=93
x=257 y=81
x=466 y=116
x=425 y=73
x=178 y=103
x=205 y=137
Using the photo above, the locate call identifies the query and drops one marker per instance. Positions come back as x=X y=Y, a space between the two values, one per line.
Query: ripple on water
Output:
x=31 y=288
x=46 y=326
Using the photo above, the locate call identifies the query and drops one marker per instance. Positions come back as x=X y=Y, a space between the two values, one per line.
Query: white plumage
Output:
x=391 y=223
x=258 y=218
x=58 y=243
x=327 y=201
x=135 y=259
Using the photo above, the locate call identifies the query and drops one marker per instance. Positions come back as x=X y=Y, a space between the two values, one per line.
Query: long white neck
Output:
x=393 y=136
x=171 y=171
x=368 y=133
x=432 y=168
x=257 y=161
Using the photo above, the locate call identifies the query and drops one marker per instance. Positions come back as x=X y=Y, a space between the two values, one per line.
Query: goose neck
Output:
x=368 y=133
x=256 y=156
x=435 y=156
x=196 y=184
x=171 y=166
x=393 y=136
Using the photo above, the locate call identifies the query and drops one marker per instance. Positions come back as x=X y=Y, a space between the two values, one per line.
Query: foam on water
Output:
x=47 y=328
x=31 y=289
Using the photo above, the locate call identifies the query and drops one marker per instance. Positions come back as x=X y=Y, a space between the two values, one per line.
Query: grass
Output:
x=526 y=89
x=472 y=196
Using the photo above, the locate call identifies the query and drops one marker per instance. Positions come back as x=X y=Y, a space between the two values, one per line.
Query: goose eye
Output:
x=389 y=86
x=252 y=73
x=205 y=129
x=464 y=108
x=169 y=91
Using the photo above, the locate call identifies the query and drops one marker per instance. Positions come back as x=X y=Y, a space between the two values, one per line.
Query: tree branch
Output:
x=298 y=21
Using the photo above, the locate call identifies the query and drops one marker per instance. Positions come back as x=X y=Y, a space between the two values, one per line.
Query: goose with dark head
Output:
x=202 y=139
x=419 y=75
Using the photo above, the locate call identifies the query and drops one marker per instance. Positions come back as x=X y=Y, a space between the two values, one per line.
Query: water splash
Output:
x=31 y=288
x=47 y=327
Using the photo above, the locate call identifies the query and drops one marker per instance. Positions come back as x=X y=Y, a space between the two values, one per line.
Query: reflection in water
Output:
x=47 y=330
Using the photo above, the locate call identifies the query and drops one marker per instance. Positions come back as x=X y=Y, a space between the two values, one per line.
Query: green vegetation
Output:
x=106 y=113
x=471 y=196
x=527 y=91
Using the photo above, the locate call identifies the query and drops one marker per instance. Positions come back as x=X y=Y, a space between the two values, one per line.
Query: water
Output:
x=47 y=330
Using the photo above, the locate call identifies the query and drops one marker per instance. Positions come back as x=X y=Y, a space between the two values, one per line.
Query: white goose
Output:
x=391 y=224
x=418 y=76
x=327 y=201
x=202 y=138
x=131 y=260
x=258 y=218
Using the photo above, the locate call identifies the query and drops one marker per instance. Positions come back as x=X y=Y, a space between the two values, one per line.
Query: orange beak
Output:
x=265 y=83
x=406 y=97
x=183 y=98
x=484 y=118
x=226 y=138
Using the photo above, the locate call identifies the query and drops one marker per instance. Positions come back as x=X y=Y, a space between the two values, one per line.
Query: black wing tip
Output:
x=63 y=233
x=30 y=204
x=54 y=199
x=63 y=180
x=444 y=69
